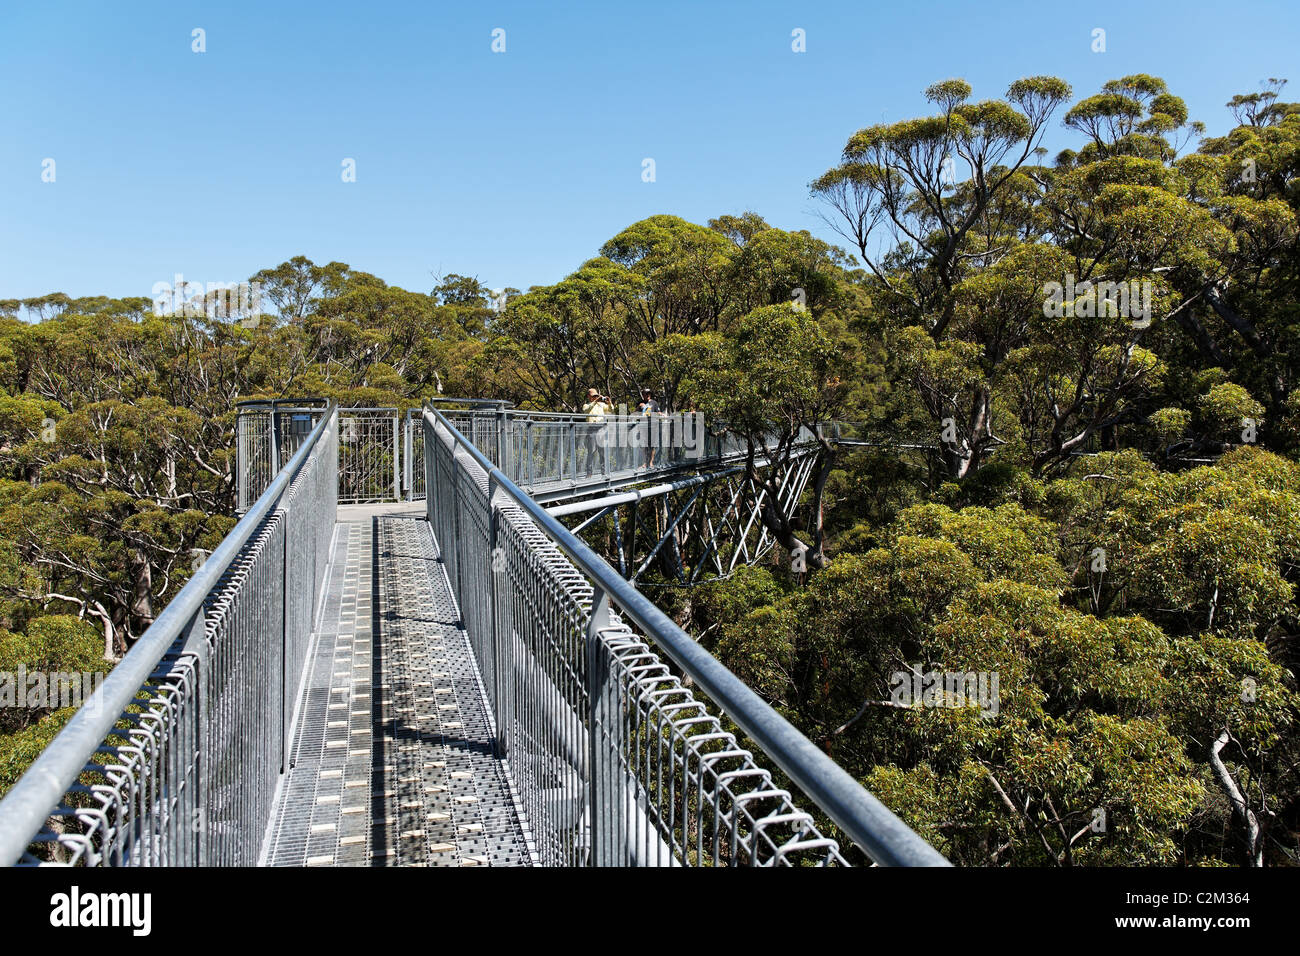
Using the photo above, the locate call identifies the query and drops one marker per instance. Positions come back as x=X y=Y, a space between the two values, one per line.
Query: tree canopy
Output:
x=1073 y=378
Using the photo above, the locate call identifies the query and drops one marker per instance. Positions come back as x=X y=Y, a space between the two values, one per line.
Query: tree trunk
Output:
x=1241 y=812
x=825 y=461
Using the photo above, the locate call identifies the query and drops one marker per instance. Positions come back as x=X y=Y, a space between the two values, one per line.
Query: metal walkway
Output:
x=393 y=759
x=466 y=684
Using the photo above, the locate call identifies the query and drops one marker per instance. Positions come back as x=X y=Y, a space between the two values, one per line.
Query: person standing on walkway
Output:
x=595 y=408
x=649 y=409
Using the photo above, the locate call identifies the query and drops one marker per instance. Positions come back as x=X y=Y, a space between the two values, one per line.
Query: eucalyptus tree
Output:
x=777 y=378
x=903 y=176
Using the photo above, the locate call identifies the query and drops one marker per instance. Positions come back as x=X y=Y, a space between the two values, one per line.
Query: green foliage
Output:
x=1225 y=408
x=19 y=750
x=1169 y=424
x=60 y=647
x=1074 y=382
x=1110 y=693
x=54 y=642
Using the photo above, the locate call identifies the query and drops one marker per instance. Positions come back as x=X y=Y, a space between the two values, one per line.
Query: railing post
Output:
x=275 y=444
x=605 y=446
x=286 y=587
x=436 y=453
x=500 y=640
x=241 y=461
x=195 y=845
x=397 y=460
x=408 y=472
x=528 y=428
x=501 y=442
x=607 y=804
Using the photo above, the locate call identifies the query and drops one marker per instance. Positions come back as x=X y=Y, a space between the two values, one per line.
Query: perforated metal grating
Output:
x=393 y=758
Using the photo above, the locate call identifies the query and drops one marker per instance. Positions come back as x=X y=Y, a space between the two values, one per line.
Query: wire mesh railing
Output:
x=370 y=447
x=381 y=451
x=614 y=759
x=267 y=433
x=176 y=758
x=552 y=453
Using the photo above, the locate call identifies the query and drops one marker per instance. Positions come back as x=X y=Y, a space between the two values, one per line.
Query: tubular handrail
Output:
x=25 y=808
x=472 y=403
x=541 y=450
x=286 y=404
x=867 y=821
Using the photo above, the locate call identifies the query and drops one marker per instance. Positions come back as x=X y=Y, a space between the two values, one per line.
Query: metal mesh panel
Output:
x=614 y=760
x=380 y=455
x=412 y=456
x=369 y=455
x=255 y=454
x=541 y=452
x=552 y=454
x=188 y=774
x=267 y=435
x=138 y=800
x=243 y=700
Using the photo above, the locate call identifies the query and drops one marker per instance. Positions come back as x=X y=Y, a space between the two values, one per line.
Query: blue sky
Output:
x=516 y=166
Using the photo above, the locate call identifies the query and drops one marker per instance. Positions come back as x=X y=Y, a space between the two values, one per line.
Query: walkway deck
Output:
x=393 y=757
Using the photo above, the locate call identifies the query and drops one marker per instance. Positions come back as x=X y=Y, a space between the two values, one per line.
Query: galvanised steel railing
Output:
x=615 y=760
x=381 y=458
x=553 y=454
x=176 y=757
x=267 y=433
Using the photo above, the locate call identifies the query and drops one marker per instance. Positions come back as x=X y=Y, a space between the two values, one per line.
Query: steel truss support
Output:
x=687 y=531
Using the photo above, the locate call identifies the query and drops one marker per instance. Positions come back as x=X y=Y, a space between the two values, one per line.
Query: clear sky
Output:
x=516 y=166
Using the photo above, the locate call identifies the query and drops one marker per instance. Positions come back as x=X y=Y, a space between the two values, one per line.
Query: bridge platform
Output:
x=393 y=762
x=315 y=693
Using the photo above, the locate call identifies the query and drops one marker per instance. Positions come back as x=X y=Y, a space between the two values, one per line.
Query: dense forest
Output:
x=1101 y=347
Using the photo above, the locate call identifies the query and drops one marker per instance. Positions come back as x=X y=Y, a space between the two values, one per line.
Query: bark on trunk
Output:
x=1241 y=812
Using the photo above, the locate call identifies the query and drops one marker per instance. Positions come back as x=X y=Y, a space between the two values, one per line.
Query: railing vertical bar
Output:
x=397 y=460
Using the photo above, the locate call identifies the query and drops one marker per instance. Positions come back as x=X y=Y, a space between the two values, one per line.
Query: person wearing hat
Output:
x=595 y=408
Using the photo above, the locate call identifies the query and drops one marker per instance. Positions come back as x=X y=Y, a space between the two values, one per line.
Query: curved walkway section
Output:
x=393 y=760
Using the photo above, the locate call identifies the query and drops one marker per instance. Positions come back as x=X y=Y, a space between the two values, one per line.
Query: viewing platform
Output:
x=454 y=681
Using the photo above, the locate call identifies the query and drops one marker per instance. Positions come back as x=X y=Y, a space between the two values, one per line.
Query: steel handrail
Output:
x=473 y=403
x=25 y=808
x=285 y=404
x=867 y=821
